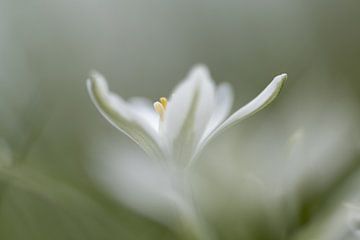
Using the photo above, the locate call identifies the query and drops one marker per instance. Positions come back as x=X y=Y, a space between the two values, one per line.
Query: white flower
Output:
x=174 y=131
x=178 y=129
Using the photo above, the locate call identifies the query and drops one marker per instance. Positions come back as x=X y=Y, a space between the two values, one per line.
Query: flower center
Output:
x=160 y=107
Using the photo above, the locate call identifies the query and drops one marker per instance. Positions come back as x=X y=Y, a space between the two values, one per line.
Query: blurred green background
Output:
x=50 y=133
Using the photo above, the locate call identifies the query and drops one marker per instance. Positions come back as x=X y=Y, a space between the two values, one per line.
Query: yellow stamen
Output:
x=163 y=101
x=159 y=108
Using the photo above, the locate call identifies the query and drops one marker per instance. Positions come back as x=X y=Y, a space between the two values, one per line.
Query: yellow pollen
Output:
x=160 y=107
x=163 y=101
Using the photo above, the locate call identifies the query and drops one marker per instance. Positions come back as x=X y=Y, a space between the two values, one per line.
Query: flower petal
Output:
x=143 y=107
x=122 y=116
x=188 y=112
x=143 y=185
x=258 y=103
x=224 y=98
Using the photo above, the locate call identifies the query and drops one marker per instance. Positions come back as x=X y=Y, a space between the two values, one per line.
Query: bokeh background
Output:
x=289 y=172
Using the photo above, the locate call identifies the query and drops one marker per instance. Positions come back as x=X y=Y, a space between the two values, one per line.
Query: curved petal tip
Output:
x=97 y=81
x=281 y=79
x=199 y=70
x=258 y=103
